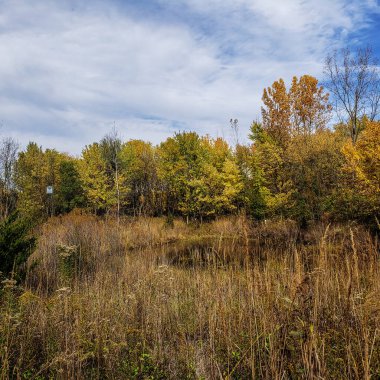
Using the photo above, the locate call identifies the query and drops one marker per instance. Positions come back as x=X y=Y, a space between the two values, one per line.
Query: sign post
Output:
x=49 y=192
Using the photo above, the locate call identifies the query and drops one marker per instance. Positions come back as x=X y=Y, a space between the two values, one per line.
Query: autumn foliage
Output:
x=296 y=166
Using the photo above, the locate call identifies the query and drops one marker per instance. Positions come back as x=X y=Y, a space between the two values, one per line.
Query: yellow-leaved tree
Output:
x=104 y=190
x=35 y=170
x=361 y=192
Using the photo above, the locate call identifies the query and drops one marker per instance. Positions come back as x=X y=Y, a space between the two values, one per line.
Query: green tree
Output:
x=70 y=193
x=314 y=165
x=139 y=167
x=272 y=188
x=16 y=243
x=180 y=159
x=201 y=177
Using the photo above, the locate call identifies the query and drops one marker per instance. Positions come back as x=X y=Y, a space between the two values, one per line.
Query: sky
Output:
x=72 y=70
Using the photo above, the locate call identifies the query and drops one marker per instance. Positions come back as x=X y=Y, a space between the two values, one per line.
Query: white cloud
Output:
x=69 y=71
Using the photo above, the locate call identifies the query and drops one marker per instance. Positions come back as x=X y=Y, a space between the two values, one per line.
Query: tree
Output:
x=271 y=183
x=354 y=81
x=29 y=169
x=201 y=176
x=283 y=177
x=35 y=170
x=213 y=192
x=16 y=243
x=310 y=108
x=138 y=165
x=314 y=165
x=110 y=147
x=8 y=157
x=97 y=183
x=359 y=195
x=303 y=109
x=270 y=189
x=226 y=173
x=234 y=124
x=232 y=186
x=276 y=112
x=70 y=192
x=180 y=162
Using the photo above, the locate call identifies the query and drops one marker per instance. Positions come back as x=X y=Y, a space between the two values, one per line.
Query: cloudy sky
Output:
x=71 y=69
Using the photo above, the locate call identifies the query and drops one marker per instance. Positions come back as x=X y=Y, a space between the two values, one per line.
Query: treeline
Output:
x=295 y=166
x=301 y=174
x=189 y=175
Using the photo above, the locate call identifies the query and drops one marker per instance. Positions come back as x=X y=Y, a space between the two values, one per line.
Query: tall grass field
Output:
x=231 y=299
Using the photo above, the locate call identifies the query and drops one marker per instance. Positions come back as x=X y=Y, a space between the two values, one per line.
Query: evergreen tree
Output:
x=16 y=243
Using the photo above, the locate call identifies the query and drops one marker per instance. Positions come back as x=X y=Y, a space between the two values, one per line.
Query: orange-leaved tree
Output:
x=276 y=112
x=310 y=108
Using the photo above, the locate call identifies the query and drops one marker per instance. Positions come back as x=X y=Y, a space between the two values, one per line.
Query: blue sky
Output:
x=71 y=70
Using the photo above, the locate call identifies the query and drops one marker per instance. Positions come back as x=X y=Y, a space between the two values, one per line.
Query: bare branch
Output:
x=354 y=82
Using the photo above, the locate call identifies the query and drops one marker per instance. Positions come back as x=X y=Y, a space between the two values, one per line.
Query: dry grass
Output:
x=228 y=300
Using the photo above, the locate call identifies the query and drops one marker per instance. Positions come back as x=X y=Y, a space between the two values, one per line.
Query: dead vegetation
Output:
x=226 y=300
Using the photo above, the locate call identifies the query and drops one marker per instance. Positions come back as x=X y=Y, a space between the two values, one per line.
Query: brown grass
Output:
x=228 y=300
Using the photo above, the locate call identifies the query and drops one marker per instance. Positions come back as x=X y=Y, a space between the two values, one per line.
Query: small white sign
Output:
x=49 y=190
